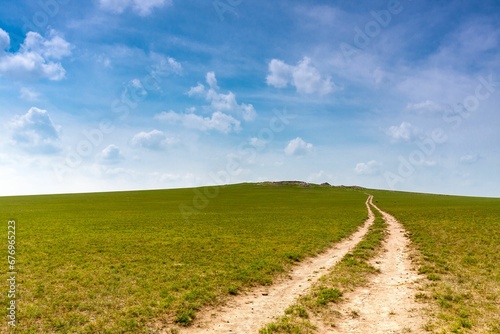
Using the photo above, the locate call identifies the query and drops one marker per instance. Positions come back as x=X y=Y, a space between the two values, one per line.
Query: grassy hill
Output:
x=118 y=262
x=126 y=261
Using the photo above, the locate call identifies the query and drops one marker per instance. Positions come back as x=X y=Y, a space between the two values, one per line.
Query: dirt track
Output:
x=386 y=305
x=248 y=313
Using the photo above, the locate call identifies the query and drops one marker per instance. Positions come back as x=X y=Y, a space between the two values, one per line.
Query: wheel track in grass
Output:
x=387 y=304
x=250 y=311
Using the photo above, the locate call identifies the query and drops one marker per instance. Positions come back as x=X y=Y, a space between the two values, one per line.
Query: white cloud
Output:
x=298 y=147
x=196 y=90
x=170 y=116
x=367 y=168
x=226 y=102
x=29 y=94
x=427 y=106
x=211 y=80
x=218 y=121
x=155 y=140
x=304 y=77
x=307 y=79
x=35 y=57
x=135 y=91
x=281 y=74
x=35 y=132
x=403 y=132
x=257 y=142
x=110 y=155
x=469 y=159
x=248 y=112
x=4 y=41
x=163 y=65
x=222 y=102
x=141 y=7
x=473 y=39
x=54 y=48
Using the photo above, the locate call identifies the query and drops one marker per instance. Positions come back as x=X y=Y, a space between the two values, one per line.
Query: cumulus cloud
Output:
x=367 y=168
x=141 y=7
x=280 y=74
x=220 y=102
x=403 y=132
x=163 y=65
x=111 y=155
x=199 y=89
x=224 y=110
x=35 y=132
x=298 y=147
x=303 y=76
x=218 y=121
x=154 y=140
x=37 y=56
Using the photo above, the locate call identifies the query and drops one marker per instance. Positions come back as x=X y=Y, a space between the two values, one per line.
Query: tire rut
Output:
x=387 y=304
x=251 y=311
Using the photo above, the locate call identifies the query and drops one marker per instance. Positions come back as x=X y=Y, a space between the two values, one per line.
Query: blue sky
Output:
x=126 y=94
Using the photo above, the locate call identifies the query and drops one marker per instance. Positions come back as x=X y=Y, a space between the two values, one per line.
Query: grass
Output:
x=459 y=242
x=351 y=272
x=129 y=262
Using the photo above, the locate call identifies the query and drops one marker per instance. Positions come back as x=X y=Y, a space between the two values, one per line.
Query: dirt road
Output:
x=387 y=304
x=248 y=313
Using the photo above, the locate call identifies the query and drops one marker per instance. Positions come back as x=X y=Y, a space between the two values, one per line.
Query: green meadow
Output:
x=352 y=272
x=459 y=242
x=132 y=262
x=137 y=262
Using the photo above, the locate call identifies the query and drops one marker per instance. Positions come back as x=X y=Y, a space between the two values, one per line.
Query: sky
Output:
x=105 y=95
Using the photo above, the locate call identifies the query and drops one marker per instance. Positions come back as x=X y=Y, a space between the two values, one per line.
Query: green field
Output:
x=134 y=262
x=129 y=261
x=352 y=272
x=459 y=242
